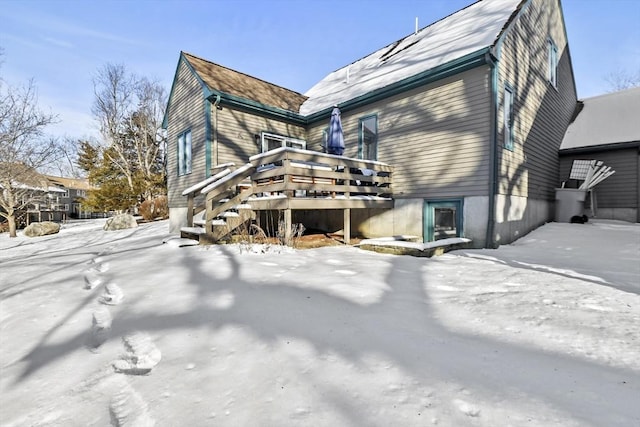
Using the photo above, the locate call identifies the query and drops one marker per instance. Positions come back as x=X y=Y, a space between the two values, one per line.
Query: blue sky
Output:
x=293 y=43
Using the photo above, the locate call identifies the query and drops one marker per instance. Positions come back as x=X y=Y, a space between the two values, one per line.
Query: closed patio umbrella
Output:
x=335 y=140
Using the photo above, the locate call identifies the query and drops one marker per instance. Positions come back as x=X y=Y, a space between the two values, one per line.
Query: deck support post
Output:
x=287 y=227
x=347 y=226
x=190 y=210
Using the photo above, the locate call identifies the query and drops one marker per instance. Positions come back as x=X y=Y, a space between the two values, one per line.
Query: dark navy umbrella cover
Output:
x=335 y=140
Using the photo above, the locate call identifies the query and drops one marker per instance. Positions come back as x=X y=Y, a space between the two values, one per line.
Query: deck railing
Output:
x=308 y=174
x=291 y=179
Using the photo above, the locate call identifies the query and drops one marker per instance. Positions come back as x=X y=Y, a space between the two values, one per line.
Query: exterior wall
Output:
x=406 y=218
x=527 y=175
x=436 y=137
x=186 y=112
x=235 y=134
x=232 y=138
x=617 y=197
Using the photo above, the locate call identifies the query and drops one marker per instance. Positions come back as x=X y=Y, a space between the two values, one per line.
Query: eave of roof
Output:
x=506 y=9
x=605 y=120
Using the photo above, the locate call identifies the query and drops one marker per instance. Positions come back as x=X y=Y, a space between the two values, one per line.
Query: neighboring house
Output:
x=607 y=128
x=67 y=202
x=470 y=111
x=29 y=192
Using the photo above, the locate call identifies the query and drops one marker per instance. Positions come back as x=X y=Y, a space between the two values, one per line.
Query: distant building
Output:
x=606 y=129
x=64 y=200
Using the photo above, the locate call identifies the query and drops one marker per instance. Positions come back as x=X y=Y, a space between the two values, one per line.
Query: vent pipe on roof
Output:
x=416 y=31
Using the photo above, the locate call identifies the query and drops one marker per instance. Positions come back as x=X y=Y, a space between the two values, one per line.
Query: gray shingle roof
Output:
x=220 y=78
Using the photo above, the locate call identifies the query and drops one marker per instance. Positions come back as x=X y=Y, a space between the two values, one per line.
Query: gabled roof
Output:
x=604 y=120
x=463 y=33
x=22 y=176
x=223 y=79
x=74 y=183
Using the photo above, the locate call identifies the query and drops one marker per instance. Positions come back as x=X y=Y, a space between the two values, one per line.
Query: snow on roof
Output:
x=464 y=32
x=605 y=119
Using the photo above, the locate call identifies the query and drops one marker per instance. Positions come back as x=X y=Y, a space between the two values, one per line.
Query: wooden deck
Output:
x=289 y=179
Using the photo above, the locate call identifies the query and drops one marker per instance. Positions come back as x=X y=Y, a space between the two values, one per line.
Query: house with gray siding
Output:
x=606 y=129
x=469 y=111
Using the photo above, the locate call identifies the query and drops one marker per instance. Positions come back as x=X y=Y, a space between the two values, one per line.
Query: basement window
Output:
x=442 y=219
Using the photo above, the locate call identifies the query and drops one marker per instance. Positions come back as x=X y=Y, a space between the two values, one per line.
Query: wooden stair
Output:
x=225 y=210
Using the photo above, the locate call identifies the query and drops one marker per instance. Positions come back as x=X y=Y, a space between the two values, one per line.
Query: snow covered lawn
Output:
x=545 y=332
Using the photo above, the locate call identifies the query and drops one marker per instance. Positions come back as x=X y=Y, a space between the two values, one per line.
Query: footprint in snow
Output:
x=100 y=328
x=467 y=408
x=92 y=278
x=112 y=295
x=128 y=409
x=141 y=357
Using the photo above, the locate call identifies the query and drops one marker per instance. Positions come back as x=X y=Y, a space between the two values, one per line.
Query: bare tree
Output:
x=620 y=80
x=23 y=149
x=129 y=110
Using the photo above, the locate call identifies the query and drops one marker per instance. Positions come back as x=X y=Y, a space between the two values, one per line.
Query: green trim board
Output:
x=467 y=62
x=165 y=119
x=207 y=137
x=256 y=107
x=428 y=216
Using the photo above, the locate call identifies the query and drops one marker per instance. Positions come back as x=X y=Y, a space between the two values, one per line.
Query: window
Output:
x=272 y=141
x=553 y=63
x=442 y=219
x=81 y=193
x=184 y=153
x=508 y=117
x=368 y=138
x=325 y=139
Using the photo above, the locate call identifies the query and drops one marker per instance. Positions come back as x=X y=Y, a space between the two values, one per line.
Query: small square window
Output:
x=442 y=219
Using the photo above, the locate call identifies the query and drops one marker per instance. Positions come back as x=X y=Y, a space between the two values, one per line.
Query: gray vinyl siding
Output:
x=236 y=133
x=186 y=112
x=620 y=190
x=436 y=137
x=541 y=112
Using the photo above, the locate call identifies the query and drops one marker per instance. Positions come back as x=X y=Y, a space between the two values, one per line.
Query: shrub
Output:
x=157 y=207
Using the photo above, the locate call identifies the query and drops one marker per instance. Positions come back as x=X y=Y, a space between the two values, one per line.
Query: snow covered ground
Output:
x=544 y=332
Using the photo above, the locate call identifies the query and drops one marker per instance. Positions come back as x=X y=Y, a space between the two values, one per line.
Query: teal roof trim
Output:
x=467 y=62
x=206 y=90
x=257 y=107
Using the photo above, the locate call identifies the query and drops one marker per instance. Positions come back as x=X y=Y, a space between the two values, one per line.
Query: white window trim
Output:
x=286 y=141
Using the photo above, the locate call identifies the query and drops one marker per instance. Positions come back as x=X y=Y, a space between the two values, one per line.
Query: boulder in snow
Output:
x=120 y=222
x=41 y=229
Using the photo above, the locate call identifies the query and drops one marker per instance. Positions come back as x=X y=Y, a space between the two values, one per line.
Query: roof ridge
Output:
x=240 y=72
